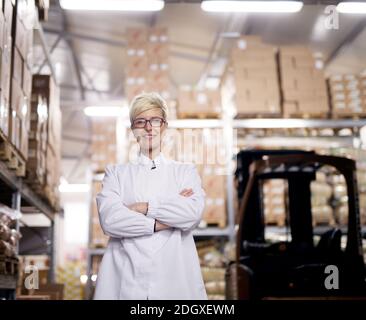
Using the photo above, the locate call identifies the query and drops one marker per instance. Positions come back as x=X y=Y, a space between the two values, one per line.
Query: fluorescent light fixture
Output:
x=352 y=7
x=105 y=111
x=74 y=188
x=252 y=6
x=112 y=5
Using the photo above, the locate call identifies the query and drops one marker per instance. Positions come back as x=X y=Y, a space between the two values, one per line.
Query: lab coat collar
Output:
x=146 y=161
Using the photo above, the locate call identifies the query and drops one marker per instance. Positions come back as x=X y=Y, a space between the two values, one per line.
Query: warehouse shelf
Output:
x=297 y=123
x=310 y=142
x=24 y=199
x=28 y=196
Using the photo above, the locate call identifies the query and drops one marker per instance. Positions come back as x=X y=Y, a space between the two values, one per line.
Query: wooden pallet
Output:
x=11 y=156
x=257 y=115
x=306 y=115
x=349 y=116
x=199 y=115
x=9 y=265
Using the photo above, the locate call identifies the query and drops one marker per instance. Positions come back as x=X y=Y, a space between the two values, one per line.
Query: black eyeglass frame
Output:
x=148 y=120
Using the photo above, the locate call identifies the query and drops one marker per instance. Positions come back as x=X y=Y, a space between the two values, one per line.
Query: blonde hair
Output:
x=147 y=101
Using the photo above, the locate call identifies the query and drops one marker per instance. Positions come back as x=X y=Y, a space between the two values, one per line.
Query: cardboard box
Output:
x=191 y=101
x=133 y=90
x=27 y=81
x=296 y=51
x=14 y=129
x=159 y=77
x=8 y=11
x=6 y=69
x=214 y=185
x=4 y=115
x=20 y=37
x=158 y=34
x=215 y=212
x=136 y=36
x=24 y=139
x=256 y=62
x=137 y=50
x=2 y=26
x=157 y=51
x=17 y=67
x=251 y=43
x=137 y=64
x=28 y=59
x=269 y=74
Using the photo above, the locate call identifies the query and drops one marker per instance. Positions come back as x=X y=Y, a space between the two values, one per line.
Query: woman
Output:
x=149 y=210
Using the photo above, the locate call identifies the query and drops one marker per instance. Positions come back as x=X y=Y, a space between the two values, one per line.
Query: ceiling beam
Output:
x=75 y=58
x=73 y=87
x=53 y=47
x=123 y=44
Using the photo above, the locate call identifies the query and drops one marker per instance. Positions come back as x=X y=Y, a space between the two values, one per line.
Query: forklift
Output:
x=296 y=268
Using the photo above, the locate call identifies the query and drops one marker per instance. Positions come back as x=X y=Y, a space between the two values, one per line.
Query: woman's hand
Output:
x=186 y=192
x=140 y=207
x=160 y=226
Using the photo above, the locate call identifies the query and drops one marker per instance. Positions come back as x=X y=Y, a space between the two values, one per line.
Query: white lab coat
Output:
x=141 y=264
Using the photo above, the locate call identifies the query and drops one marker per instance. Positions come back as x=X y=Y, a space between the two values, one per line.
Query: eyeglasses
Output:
x=155 y=122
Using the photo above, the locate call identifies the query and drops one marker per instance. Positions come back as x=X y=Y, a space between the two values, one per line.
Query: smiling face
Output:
x=149 y=137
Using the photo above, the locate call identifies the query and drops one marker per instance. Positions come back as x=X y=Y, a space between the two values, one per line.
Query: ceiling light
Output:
x=106 y=111
x=252 y=6
x=352 y=7
x=112 y=5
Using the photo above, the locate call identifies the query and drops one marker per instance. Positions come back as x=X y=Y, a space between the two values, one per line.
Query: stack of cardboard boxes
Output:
x=103 y=146
x=348 y=95
x=206 y=149
x=147 y=62
x=250 y=85
x=21 y=75
x=44 y=154
x=274 y=195
x=214 y=183
x=199 y=103
x=104 y=153
x=6 y=18
x=303 y=83
x=16 y=42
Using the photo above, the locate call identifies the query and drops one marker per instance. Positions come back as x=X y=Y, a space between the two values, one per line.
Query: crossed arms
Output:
x=183 y=211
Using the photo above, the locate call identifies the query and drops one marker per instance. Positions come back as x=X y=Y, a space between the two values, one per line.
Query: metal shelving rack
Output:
x=18 y=195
